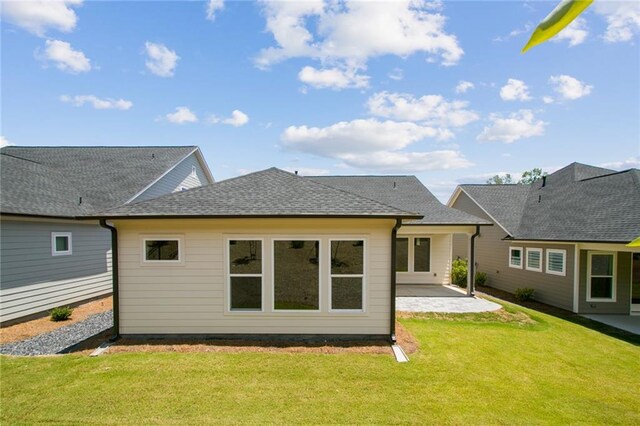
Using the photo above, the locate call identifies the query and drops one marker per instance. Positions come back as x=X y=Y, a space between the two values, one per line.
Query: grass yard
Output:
x=518 y=367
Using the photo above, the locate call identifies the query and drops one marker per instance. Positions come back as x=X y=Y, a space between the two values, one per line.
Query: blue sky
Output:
x=435 y=89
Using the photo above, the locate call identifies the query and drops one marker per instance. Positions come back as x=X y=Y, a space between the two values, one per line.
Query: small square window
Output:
x=162 y=250
x=61 y=243
x=515 y=257
x=534 y=259
x=556 y=262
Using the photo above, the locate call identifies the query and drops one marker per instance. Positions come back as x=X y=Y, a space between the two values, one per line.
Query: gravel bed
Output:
x=62 y=338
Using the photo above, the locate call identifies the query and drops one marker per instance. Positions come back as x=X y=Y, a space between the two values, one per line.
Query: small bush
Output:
x=61 y=313
x=459 y=273
x=481 y=278
x=524 y=294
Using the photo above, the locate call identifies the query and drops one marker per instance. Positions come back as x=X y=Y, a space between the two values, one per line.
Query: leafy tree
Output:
x=528 y=177
x=500 y=180
x=531 y=176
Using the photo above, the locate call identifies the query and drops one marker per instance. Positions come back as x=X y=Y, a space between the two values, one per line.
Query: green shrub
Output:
x=61 y=313
x=459 y=272
x=481 y=278
x=524 y=294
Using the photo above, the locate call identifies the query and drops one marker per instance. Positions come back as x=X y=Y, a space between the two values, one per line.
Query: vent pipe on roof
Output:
x=394 y=185
x=296 y=172
x=544 y=181
x=80 y=201
x=153 y=156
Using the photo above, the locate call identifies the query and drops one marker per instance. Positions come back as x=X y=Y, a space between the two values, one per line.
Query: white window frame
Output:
x=54 y=251
x=363 y=276
x=511 y=265
x=273 y=273
x=533 y=250
x=613 y=276
x=411 y=254
x=167 y=237
x=229 y=275
x=564 y=262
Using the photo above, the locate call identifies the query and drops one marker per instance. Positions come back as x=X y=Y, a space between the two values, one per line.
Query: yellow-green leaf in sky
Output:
x=559 y=18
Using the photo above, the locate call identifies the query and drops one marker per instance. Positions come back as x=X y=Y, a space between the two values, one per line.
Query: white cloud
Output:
x=430 y=109
x=623 y=19
x=350 y=33
x=576 y=32
x=396 y=74
x=569 y=88
x=514 y=33
x=464 y=86
x=64 y=57
x=96 y=102
x=4 y=142
x=334 y=78
x=307 y=171
x=214 y=6
x=181 y=115
x=517 y=125
x=161 y=60
x=237 y=119
x=547 y=99
x=373 y=145
x=37 y=16
x=629 y=163
x=515 y=90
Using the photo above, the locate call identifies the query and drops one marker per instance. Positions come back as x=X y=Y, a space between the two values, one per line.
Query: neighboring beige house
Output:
x=276 y=253
x=48 y=257
x=565 y=236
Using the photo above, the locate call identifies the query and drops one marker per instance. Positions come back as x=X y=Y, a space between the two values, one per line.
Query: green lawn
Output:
x=466 y=372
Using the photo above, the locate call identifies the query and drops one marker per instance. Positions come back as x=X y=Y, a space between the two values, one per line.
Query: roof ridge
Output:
x=607 y=175
x=100 y=146
x=360 y=196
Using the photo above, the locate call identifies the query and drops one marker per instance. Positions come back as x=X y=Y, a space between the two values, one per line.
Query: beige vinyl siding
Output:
x=180 y=177
x=192 y=298
x=622 y=305
x=492 y=257
x=440 y=258
x=33 y=281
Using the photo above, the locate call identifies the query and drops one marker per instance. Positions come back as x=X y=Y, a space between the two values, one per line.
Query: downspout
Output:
x=392 y=313
x=472 y=263
x=114 y=272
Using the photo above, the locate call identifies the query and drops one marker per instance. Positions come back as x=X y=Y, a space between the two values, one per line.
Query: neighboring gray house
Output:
x=565 y=236
x=275 y=253
x=50 y=258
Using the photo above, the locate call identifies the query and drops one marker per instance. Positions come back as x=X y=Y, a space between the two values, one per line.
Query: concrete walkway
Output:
x=623 y=322
x=439 y=298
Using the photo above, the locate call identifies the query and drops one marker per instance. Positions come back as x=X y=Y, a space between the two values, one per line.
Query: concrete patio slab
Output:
x=623 y=322
x=429 y=290
x=456 y=304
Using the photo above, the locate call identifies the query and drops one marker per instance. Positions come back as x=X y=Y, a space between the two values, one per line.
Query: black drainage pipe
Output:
x=392 y=313
x=472 y=263
x=114 y=271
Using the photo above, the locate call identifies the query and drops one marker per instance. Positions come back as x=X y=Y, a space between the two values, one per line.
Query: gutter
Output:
x=472 y=263
x=392 y=313
x=115 y=275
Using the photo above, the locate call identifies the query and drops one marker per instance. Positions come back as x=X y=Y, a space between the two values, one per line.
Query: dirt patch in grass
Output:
x=499 y=316
x=190 y=344
x=25 y=330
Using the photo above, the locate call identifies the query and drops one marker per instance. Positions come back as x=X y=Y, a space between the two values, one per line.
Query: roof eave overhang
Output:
x=265 y=216
x=569 y=241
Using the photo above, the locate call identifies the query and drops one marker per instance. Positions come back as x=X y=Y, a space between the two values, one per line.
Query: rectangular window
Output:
x=601 y=280
x=347 y=275
x=61 y=243
x=245 y=275
x=534 y=259
x=556 y=262
x=402 y=254
x=162 y=250
x=421 y=254
x=515 y=257
x=296 y=275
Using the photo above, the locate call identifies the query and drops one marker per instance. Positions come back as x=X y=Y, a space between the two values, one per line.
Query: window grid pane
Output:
x=555 y=261
x=422 y=254
x=62 y=243
x=346 y=293
x=516 y=257
x=245 y=256
x=161 y=250
x=347 y=257
x=347 y=275
x=296 y=275
x=246 y=293
x=402 y=254
x=533 y=259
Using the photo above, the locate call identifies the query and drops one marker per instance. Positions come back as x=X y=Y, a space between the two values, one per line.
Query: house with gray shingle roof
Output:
x=565 y=236
x=272 y=252
x=48 y=256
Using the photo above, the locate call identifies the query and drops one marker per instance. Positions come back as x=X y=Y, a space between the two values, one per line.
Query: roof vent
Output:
x=296 y=172
x=394 y=185
x=544 y=181
x=153 y=155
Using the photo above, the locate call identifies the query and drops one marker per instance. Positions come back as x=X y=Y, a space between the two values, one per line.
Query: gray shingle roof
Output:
x=404 y=192
x=267 y=193
x=576 y=203
x=49 y=181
